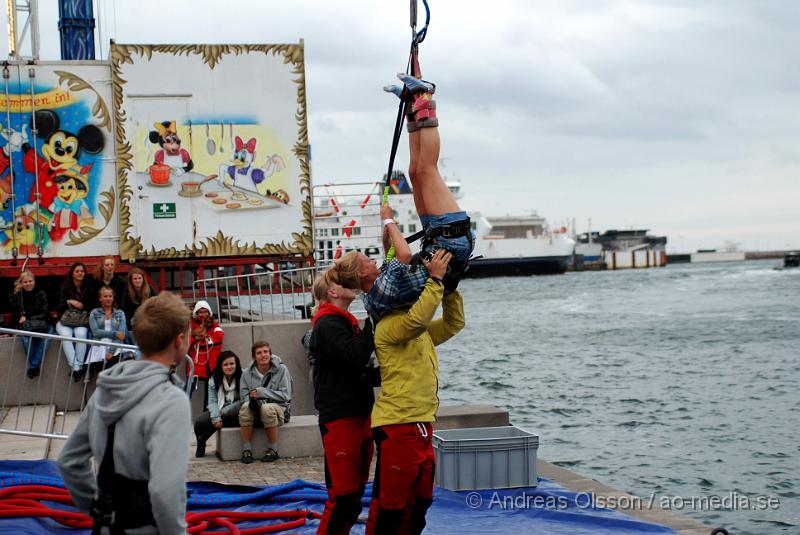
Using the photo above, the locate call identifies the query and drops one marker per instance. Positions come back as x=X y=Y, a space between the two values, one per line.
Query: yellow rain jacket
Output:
x=404 y=344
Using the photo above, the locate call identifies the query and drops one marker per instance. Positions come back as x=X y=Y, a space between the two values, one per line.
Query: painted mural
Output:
x=56 y=157
x=213 y=150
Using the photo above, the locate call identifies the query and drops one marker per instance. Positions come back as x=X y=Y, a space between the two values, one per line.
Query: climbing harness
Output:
x=122 y=503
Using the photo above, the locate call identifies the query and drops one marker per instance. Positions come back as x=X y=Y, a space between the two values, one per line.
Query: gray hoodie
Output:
x=276 y=386
x=151 y=440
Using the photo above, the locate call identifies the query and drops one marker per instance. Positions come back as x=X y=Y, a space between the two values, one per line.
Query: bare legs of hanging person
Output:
x=431 y=194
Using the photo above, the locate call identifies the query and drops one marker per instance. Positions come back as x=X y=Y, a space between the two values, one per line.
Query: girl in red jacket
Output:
x=343 y=395
x=206 y=345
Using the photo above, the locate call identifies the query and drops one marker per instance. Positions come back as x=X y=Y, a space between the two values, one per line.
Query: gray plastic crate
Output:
x=485 y=458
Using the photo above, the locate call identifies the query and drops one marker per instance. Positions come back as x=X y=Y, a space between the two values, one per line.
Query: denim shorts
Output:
x=461 y=247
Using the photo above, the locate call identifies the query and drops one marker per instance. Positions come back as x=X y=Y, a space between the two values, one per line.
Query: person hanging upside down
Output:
x=446 y=226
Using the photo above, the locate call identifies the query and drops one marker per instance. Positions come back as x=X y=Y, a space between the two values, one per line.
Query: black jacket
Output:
x=342 y=382
x=87 y=295
x=117 y=285
x=130 y=307
x=33 y=305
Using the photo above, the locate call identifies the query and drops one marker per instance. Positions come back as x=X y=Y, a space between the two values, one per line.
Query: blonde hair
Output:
x=159 y=320
x=346 y=271
x=321 y=285
x=18 y=282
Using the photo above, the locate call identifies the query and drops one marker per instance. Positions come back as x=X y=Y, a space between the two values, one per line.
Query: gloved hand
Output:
x=450 y=283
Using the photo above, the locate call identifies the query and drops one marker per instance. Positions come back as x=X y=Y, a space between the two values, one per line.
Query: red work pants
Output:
x=403 y=487
x=348 y=454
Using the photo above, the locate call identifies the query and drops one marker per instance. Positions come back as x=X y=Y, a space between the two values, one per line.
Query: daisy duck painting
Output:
x=242 y=173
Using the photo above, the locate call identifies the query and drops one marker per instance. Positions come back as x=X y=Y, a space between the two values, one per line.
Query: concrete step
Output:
x=27 y=419
x=301 y=438
x=64 y=424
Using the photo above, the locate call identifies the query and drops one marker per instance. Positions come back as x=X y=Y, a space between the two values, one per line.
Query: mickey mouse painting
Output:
x=61 y=151
x=171 y=153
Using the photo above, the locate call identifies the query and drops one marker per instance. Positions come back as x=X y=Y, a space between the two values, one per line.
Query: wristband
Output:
x=437 y=280
x=389 y=222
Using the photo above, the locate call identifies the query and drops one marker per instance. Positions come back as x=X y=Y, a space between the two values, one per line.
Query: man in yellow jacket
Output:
x=405 y=341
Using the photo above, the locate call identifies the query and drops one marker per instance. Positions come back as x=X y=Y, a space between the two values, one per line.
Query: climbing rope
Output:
x=21 y=495
x=412 y=68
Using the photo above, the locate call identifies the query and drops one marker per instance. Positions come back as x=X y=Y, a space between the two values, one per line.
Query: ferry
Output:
x=346 y=217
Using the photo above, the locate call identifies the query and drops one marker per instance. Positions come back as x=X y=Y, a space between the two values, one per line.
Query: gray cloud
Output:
x=675 y=115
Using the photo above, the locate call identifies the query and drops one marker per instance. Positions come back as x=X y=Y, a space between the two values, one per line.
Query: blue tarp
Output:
x=547 y=508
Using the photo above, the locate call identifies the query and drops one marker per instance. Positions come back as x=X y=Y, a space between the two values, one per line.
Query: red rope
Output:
x=24 y=501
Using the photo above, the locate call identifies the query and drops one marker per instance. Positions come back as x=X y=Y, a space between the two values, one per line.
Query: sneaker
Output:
x=247 y=456
x=77 y=375
x=32 y=373
x=201 y=449
x=395 y=89
x=414 y=85
x=270 y=455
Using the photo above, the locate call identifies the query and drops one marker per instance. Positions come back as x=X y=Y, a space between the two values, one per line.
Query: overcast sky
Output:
x=680 y=116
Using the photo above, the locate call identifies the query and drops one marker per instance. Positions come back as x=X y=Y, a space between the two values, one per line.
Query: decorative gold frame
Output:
x=131 y=247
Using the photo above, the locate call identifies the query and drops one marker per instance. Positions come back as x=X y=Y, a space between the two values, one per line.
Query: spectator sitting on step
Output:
x=224 y=400
x=207 y=337
x=137 y=291
x=107 y=323
x=75 y=301
x=105 y=277
x=266 y=388
x=29 y=310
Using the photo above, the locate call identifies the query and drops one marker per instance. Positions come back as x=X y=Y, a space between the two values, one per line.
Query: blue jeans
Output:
x=35 y=348
x=460 y=247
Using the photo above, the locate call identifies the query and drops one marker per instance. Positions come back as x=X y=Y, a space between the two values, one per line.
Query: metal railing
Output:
x=346 y=216
x=37 y=406
x=265 y=295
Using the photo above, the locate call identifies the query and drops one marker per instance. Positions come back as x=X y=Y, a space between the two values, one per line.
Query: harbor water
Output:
x=677 y=384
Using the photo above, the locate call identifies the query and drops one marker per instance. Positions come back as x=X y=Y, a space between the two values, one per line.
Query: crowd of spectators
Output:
x=101 y=306
x=88 y=306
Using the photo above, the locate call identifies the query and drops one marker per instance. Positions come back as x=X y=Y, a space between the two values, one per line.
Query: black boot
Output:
x=201 y=448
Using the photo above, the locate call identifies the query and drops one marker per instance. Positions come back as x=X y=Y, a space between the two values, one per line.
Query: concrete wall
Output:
x=284 y=338
x=55 y=386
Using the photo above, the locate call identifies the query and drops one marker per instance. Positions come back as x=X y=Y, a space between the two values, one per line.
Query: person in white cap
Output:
x=207 y=337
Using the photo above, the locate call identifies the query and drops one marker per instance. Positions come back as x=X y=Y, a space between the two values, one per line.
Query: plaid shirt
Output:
x=395 y=287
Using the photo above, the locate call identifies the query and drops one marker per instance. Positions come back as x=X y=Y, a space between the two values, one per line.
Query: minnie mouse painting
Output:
x=171 y=153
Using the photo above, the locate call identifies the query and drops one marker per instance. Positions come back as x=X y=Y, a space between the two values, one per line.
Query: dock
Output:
x=284 y=470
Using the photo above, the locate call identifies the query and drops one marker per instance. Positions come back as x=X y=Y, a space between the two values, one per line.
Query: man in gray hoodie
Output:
x=151 y=420
x=266 y=387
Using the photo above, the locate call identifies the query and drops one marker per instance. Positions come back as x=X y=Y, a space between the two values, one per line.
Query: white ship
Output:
x=346 y=217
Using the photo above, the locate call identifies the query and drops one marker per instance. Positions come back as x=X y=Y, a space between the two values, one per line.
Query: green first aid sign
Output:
x=164 y=210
